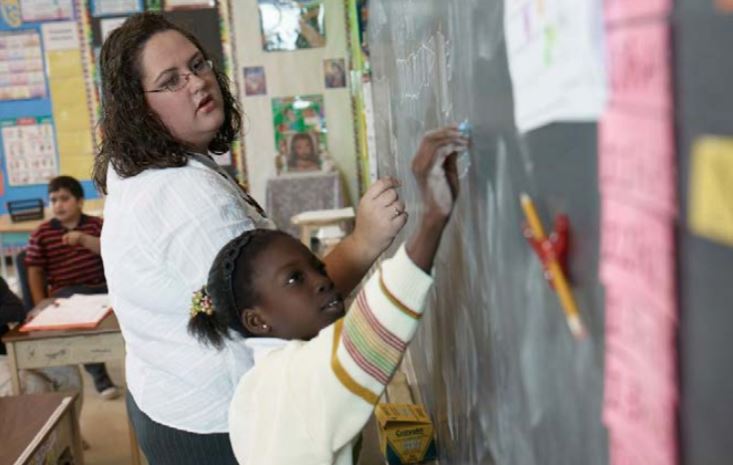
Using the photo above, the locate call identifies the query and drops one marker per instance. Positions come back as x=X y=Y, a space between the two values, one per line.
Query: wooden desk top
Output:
x=108 y=325
x=91 y=207
x=21 y=418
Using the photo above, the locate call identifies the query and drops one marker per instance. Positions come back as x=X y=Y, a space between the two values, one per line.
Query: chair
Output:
x=25 y=288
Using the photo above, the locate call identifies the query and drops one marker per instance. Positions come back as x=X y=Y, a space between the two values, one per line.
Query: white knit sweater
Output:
x=306 y=402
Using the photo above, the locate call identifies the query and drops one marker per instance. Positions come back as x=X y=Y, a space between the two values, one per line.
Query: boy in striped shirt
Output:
x=63 y=258
x=319 y=370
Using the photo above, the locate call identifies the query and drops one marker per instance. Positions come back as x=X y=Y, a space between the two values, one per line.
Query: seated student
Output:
x=318 y=373
x=66 y=378
x=63 y=259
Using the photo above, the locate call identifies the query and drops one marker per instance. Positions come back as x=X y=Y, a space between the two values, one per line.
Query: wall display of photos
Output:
x=300 y=133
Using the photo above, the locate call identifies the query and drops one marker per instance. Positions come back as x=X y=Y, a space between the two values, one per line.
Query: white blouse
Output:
x=162 y=230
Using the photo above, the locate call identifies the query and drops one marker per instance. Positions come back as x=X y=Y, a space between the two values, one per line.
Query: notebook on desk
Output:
x=75 y=312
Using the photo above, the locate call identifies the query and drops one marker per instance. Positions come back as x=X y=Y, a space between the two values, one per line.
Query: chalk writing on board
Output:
x=636 y=158
x=416 y=71
x=639 y=66
x=555 y=61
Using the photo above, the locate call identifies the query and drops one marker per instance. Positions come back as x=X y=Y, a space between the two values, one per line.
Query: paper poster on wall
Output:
x=115 y=7
x=710 y=206
x=21 y=66
x=334 y=71
x=30 y=150
x=255 y=80
x=300 y=132
x=291 y=24
x=70 y=110
x=619 y=10
x=638 y=60
x=188 y=4
x=45 y=10
x=556 y=63
x=638 y=244
x=108 y=25
x=638 y=415
x=636 y=159
x=60 y=36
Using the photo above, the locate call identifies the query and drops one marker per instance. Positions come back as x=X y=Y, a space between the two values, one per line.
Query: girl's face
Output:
x=194 y=113
x=296 y=298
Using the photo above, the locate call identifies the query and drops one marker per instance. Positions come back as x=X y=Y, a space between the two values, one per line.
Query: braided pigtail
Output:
x=206 y=325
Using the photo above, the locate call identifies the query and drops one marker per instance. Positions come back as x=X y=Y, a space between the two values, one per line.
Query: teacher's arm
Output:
x=379 y=217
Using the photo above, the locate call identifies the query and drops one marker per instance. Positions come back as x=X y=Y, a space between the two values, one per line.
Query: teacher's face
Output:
x=194 y=112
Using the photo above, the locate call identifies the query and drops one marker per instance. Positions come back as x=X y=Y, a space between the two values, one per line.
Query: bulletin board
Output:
x=50 y=82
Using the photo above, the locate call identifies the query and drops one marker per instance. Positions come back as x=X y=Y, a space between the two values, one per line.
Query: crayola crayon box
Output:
x=405 y=433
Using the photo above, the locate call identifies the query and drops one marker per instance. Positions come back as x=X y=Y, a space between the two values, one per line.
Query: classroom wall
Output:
x=292 y=73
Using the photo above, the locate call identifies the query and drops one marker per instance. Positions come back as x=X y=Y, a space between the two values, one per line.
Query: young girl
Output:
x=318 y=373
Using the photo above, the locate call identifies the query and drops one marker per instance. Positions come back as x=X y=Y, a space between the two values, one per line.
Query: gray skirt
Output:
x=163 y=445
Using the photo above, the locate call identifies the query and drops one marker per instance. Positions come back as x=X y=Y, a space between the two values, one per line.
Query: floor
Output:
x=104 y=423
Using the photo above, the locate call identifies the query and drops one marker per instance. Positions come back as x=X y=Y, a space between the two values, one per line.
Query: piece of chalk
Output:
x=465 y=128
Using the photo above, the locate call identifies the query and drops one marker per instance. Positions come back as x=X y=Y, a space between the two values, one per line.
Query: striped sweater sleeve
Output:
x=369 y=342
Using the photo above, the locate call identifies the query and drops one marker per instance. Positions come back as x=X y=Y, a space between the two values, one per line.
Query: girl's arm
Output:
x=379 y=217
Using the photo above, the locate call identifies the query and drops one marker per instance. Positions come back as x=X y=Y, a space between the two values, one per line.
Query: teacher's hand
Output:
x=380 y=215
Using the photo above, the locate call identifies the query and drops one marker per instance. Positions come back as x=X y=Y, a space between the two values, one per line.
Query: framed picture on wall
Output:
x=188 y=4
x=334 y=71
x=255 y=80
x=292 y=25
x=300 y=133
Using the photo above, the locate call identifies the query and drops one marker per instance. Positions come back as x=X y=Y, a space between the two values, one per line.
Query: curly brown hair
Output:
x=133 y=136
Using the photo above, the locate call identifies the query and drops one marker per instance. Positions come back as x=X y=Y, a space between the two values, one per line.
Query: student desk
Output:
x=39 y=428
x=40 y=349
x=22 y=230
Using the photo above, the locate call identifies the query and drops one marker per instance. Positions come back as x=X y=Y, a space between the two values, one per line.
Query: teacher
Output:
x=168 y=212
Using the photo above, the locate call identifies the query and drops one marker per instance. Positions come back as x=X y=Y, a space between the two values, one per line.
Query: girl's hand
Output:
x=380 y=215
x=434 y=168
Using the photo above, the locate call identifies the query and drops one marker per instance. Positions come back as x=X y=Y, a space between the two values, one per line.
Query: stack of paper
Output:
x=77 y=311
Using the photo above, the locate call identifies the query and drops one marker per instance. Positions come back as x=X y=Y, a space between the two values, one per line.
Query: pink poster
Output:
x=638 y=61
x=619 y=10
x=636 y=159
x=639 y=245
x=638 y=327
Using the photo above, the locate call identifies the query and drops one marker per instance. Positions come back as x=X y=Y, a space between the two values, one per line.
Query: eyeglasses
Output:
x=178 y=81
